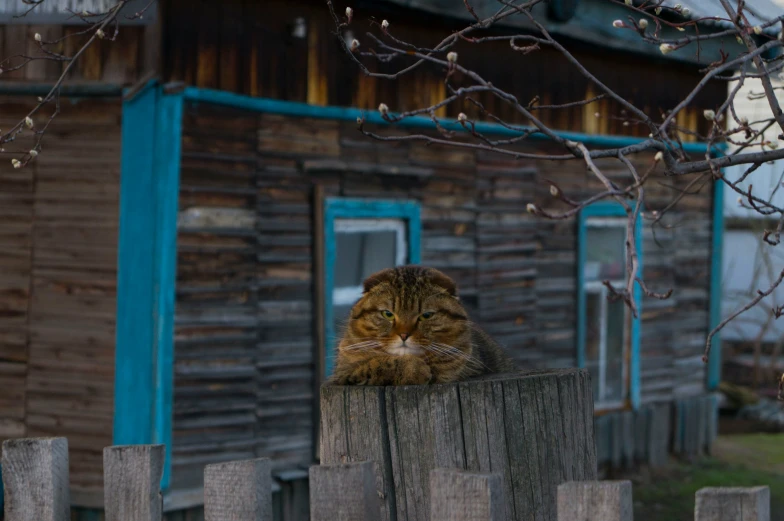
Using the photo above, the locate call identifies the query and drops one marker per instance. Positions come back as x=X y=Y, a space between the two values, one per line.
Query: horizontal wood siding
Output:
x=507 y=243
x=17 y=200
x=216 y=300
x=58 y=270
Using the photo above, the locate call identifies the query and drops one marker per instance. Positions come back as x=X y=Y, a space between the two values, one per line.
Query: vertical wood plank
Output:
x=132 y=482
x=732 y=504
x=465 y=496
x=35 y=479
x=595 y=501
x=238 y=491
x=344 y=491
x=500 y=425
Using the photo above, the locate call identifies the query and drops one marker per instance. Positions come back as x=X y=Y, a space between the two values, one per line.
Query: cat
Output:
x=409 y=328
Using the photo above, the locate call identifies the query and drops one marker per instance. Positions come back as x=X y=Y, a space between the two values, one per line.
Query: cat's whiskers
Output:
x=447 y=353
x=458 y=353
x=364 y=345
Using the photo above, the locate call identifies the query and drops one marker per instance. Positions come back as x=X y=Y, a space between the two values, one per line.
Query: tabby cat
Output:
x=409 y=328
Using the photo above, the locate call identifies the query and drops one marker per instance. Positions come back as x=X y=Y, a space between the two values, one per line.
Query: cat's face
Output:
x=408 y=311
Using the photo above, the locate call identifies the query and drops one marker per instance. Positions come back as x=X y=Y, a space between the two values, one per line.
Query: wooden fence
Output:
x=35 y=477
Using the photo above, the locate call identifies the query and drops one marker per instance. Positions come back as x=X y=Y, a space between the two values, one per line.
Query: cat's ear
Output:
x=378 y=278
x=442 y=281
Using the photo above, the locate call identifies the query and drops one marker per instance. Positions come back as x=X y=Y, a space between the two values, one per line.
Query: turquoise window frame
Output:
x=342 y=208
x=607 y=209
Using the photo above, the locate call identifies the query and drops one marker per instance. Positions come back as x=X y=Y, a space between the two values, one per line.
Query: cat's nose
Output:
x=403 y=336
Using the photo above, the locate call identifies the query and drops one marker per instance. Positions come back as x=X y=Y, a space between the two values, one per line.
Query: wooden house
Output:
x=174 y=263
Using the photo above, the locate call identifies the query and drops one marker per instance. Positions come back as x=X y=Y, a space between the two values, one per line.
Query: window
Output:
x=362 y=237
x=608 y=335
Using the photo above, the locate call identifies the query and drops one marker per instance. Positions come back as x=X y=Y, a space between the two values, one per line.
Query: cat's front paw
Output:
x=413 y=371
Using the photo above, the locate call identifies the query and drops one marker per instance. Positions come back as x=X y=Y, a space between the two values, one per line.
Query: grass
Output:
x=740 y=460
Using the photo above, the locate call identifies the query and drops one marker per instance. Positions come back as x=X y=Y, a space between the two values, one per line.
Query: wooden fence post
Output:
x=132 y=482
x=35 y=479
x=238 y=491
x=457 y=495
x=534 y=429
x=595 y=501
x=732 y=504
x=345 y=492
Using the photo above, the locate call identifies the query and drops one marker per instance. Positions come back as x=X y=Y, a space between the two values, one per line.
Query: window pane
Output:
x=360 y=254
x=593 y=338
x=604 y=252
x=616 y=317
x=613 y=390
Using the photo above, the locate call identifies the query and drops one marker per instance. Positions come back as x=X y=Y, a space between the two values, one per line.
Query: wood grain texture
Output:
x=35 y=479
x=345 y=491
x=457 y=495
x=532 y=429
x=732 y=504
x=132 y=482
x=595 y=501
x=238 y=491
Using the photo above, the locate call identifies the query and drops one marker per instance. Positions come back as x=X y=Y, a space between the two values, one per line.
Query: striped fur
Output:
x=409 y=328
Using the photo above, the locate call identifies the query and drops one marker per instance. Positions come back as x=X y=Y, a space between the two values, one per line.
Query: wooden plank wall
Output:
x=17 y=198
x=245 y=335
x=251 y=49
x=215 y=324
x=57 y=332
x=685 y=427
x=119 y=62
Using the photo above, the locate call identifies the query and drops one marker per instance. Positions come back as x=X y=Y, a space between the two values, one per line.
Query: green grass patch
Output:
x=669 y=495
x=742 y=461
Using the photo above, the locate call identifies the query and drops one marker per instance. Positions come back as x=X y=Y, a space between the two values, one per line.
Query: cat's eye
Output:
x=427 y=314
x=387 y=313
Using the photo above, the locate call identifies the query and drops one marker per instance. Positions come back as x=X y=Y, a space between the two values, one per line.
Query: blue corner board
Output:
x=146 y=266
x=338 y=208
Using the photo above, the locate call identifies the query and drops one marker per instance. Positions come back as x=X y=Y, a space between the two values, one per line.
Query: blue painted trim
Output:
x=146 y=270
x=292 y=108
x=608 y=209
x=339 y=208
x=134 y=400
x=714 y=360
x=168 y=138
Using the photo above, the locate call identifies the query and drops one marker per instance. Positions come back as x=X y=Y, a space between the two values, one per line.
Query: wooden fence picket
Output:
x=35 y=479
x=132 y=482
x=345 y=492
x=732 y=504
x=238 y=491
x=595 y=501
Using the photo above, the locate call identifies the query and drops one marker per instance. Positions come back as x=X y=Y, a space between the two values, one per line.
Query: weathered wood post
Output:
x=35 y=479
x=595 y=501
x=238 y=491
x=533 y=429
x=457 y=495
x=345 y=492
x=732 y=504
x=132 y=482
